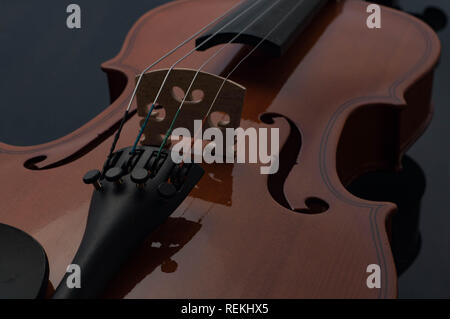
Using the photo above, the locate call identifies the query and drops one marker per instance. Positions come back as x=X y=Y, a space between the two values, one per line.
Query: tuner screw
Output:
x=114 y=175
x=140 y=177
x=92 y=177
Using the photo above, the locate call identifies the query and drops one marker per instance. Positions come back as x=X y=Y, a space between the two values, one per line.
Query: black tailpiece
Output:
x=135 y=194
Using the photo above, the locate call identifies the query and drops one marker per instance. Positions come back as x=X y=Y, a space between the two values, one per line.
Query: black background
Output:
x=51 y=84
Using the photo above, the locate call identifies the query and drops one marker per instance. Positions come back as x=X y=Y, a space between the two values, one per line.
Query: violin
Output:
x=344 y=100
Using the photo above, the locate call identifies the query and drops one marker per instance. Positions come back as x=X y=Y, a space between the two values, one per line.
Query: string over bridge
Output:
x=229 y=102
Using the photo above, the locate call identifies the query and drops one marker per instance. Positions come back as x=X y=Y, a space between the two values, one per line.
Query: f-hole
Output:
x=288 y=159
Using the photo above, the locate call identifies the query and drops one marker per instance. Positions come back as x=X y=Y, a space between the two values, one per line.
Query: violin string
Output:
x=169 y=53
x=133 y=150
x=222 y=85
x=226 y=79
x=239 y=63
x=169 y=131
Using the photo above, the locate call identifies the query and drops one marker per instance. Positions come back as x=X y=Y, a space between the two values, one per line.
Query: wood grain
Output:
x=232 y=238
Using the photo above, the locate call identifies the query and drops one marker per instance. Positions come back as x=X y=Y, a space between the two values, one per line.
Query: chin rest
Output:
x=23 y=265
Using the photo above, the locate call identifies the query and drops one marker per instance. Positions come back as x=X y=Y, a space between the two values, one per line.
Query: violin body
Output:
x=347 y=100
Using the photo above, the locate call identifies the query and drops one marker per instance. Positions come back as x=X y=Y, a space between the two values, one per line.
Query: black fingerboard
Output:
x=294 y=15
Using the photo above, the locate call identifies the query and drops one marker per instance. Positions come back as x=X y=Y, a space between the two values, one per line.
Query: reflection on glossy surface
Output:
x=435 y=17
x=430 y=152
x=428 y=277
x=157 y=251
x=405 y=189
x=216 y=185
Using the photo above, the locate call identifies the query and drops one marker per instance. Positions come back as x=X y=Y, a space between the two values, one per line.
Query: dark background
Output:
x=51 y=84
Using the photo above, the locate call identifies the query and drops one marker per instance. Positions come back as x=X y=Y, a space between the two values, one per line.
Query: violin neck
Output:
x=252 y=21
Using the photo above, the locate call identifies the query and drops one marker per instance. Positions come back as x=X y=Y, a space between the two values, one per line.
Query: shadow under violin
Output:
x=433 y=16
x=404 y=188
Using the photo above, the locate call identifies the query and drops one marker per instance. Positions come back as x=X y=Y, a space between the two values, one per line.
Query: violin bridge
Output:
x=225 y=112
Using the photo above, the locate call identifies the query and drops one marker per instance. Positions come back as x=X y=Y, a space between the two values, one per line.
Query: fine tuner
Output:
x=139 y=168
x=136 y=193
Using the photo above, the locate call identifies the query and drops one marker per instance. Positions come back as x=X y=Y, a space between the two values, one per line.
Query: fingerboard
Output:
x=254 y=20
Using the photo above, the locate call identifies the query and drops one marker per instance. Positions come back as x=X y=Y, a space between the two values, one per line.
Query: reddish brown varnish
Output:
x=358 y=97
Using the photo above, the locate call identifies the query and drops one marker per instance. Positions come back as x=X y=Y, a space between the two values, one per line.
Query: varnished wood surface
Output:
x=231 y=237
